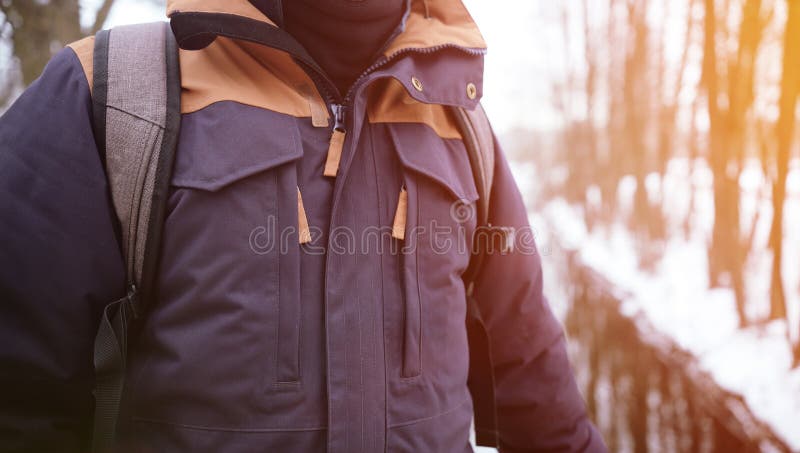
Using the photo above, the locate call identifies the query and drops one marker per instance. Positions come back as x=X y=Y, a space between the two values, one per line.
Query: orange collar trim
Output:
x=436 y=23
x=430 y=23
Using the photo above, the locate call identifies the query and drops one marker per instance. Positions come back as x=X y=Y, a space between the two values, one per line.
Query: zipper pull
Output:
x=337 y=141
x=338 y=117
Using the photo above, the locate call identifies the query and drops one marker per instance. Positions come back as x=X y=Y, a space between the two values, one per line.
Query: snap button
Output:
x=417 y=83
x=472 y=91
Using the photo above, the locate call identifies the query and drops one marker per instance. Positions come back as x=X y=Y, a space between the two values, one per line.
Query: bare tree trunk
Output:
x=42 y=28
x=591 y=65
x=591 y=81
x=571 y=136
x=610 y=169
x=667 y=110
x=590 y=130
x=723 y=250
x=101 y=17
x=694 y=155
x=669 y=106
x=790 y=82
x=741 y=88
x=741 y=77
x=727 y=140
x=636 y=95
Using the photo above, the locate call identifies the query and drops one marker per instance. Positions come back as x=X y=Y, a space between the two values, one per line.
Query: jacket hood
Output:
x=429 y=23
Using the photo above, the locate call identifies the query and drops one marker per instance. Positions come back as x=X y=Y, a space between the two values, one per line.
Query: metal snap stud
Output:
x=417 y=83
x=472 y=91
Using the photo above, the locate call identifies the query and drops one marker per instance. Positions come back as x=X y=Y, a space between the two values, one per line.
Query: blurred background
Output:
x=655 y=144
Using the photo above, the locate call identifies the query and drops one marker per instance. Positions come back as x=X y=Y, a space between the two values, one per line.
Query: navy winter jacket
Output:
x=296 y=312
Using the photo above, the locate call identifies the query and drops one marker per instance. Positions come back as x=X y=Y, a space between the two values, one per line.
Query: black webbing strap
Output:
x=110 y=356
x=100 y=91
x=109 y=346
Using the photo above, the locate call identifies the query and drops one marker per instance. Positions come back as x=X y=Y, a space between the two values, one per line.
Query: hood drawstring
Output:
x=335 y=153
x=319 y=114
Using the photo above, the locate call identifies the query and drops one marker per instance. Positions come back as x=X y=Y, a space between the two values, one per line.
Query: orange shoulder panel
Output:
x=251 y=74
x=390 y=103
x=84 y=49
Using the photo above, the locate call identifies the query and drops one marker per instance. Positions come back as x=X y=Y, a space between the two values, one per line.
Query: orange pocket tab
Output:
x=401 y=216
x=302 y=220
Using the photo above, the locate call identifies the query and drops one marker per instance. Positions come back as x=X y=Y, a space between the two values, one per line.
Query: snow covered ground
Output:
x=675 y=297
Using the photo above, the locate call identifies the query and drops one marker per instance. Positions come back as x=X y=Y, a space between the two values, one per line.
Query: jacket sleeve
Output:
x=60 y=262
x=539 y=407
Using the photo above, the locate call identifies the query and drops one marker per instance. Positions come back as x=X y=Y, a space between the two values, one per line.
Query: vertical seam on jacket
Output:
x=371 y=133
x=277 y=278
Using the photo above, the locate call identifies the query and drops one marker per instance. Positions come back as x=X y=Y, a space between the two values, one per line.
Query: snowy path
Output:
x=675 y=297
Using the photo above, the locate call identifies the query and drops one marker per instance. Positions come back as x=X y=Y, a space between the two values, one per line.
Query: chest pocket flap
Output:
x=227 y=142
x=442 y=161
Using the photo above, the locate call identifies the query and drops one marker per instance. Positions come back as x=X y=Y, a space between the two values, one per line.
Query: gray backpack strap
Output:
x=136 y=107
x=479 y=142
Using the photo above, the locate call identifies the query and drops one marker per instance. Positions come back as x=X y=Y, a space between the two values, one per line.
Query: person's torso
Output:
x=354 y=341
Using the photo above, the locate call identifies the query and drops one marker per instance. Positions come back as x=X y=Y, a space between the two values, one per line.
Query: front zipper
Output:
x=420 y=50
x=332 y=94
x=338 y=108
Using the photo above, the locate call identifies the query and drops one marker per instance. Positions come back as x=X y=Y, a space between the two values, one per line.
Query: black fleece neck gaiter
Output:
x=343 y=36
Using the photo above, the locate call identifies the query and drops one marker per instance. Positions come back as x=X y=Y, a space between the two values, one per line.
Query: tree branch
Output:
x=102 y=16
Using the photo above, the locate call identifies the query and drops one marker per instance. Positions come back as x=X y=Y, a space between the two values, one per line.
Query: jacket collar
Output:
x=429 y=24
